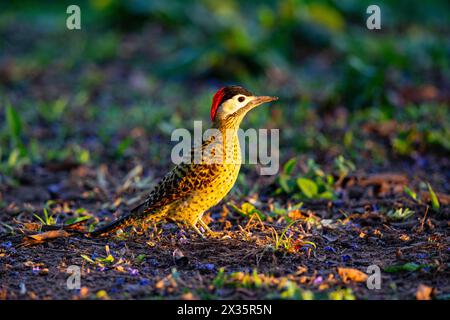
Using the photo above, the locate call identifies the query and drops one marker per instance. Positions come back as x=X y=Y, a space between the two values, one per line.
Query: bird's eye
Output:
x=241 y=99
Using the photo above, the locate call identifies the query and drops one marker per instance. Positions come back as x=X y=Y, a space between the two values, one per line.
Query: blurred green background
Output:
x=114 y=90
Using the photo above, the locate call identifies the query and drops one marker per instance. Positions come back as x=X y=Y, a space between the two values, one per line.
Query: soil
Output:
x=167 y=262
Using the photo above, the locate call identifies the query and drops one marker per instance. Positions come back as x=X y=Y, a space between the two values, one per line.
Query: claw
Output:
x=198 y=231
x=214 y=234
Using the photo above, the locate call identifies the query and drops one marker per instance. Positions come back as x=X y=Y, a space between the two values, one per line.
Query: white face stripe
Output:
x=232 y=105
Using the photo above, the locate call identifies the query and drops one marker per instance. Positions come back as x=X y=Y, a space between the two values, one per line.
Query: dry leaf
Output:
x=41 y=237
x=424 y=292
x=84 y=292
x=188 y=296
x=160 y=285
x=31 y=226
x=53 y=234
x=404 y=237
x=350 y=274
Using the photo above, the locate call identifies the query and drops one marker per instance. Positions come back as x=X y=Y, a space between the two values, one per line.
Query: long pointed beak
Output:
x=262 y=99
x=256 y=101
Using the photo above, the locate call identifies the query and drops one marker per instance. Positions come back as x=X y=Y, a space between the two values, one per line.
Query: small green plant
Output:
x=220 y=279
x=81 y=216
x=47 y=219
x=308 y=187
x=315 y=184
x=122 y=147
x=400 y=214
x=282 y=239
x=288 y=242
x=318 y=189
x=140 y=258
x=434 y=199
x=82 y=156
x=411 y=194
x=240 y=279
x=14 y=161
x=18 y=154
x=53 y=111
x=343 y=166
x=285 y=180
x=408 y=267
x=15 y=129
x=342 y=294
x=289 y=166
x=248 y=280
x=403 y=143
x=292 y=291
x=247 y=210
x=101 y=261
x=74 y=152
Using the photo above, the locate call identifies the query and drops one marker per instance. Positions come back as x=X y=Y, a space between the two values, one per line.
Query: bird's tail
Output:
x=139 y=213
x=113 y=226
x=120 y=223
x=131 y=218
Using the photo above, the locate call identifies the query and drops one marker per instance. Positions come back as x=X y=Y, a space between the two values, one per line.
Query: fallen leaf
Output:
x=404 y=237
x=84 y=292
x=34 y=239
x=424 y=292
x=160 y=285
x=350 y=274
x=53 y=234
x=188 y=296
x=31 y=226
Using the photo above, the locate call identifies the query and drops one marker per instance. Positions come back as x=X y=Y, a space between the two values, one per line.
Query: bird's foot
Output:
x=198 y=231
x=214 y=234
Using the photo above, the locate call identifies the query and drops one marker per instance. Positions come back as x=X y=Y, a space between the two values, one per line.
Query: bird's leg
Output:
x=205 y=226
x=198 y=231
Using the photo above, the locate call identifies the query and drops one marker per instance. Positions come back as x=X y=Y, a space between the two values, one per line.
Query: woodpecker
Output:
x=192 y=187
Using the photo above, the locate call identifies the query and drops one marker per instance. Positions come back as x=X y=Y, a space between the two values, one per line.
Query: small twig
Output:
x=422 y=223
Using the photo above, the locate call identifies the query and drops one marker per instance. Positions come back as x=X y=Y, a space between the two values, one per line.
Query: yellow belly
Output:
x=190 y=209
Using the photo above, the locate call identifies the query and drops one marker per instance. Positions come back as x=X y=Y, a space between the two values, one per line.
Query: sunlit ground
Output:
x=86 y=119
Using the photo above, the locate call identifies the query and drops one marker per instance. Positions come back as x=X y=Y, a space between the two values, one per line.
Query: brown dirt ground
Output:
x=353 y=233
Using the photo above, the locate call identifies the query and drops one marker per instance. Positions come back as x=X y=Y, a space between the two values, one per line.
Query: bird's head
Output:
x=230 y=105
